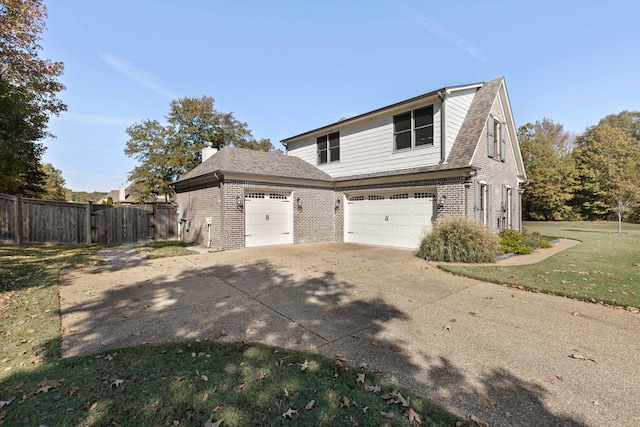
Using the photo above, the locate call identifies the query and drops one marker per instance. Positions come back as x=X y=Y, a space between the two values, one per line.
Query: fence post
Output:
x=18 y=212
x=89 y=216
x=154 y=223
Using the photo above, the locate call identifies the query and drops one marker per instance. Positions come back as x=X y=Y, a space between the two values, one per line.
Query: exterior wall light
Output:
x=238 y=202
x=299 y=204
x=337 y=204
x=441 y=201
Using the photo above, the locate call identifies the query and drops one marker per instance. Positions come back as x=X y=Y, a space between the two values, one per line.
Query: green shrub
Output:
x=460 y=239
x=513 y=241
x=535 y=240
x=522 y=243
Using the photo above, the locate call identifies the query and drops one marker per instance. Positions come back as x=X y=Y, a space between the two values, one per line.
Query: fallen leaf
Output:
x=4 y=403
x=472 y=313
x=304 y=366
x=576 y=313
x=452 y=320
x=580 y=357
x=286 y=393
x=414 y=416
x=365 y=409
x=44 y=389
x=354 y=421
x=471 y=417
x=52 y=383
x=386 y=414
x=73 y=389
x=395 y=348
x=290 y=413
x=310 y=405
x=94 y=406
x=210 y=422
x=345 y=401
x=204 y=378
x=116 y=383
x=399 y=399
x=360 y=378
x=205 y=397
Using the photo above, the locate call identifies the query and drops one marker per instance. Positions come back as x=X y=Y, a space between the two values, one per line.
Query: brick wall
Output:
x=494 y=171
x=315 y=221
x=196 y=206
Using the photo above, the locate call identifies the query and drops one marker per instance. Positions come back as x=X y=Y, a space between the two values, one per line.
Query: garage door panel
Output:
x=391 y=220
x=268 y=219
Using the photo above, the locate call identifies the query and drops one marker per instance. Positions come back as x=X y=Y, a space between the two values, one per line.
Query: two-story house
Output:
x=379 y=178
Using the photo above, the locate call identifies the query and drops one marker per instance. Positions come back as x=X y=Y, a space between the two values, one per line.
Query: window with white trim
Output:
x=328 y=148
x=413 y=128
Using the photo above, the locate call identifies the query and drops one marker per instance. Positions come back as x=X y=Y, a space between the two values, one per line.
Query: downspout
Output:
x=443 y=127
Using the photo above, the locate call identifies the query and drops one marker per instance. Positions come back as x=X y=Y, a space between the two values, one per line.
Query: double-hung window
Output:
x=413 y=128
x=328 y=148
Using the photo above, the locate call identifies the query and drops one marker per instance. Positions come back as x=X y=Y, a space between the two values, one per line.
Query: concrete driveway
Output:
x=500 y=354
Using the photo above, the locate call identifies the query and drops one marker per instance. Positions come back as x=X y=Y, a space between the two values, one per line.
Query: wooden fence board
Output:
x=24 y=220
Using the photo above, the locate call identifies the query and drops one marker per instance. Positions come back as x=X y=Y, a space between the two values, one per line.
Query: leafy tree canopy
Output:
x=545 y=151
x=608 y=162
x=166 y=152
x=28 y=95
x=54 y=184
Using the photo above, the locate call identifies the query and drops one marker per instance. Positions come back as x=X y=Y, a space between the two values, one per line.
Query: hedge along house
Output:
x=378 y=178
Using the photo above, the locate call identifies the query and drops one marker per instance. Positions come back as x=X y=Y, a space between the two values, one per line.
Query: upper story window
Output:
x=413 y=128
x=328 y=148
x=496 y=138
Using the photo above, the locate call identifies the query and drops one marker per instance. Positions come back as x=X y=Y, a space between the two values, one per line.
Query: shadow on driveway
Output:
x=377 y=308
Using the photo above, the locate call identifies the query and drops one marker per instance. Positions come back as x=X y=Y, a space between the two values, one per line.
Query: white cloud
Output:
x=454 y=39
x=90 y=119
x=443 y=33
x=138 y=75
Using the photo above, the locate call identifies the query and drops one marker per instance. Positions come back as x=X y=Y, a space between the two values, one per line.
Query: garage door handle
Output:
x=267 y=217
x=386 y=218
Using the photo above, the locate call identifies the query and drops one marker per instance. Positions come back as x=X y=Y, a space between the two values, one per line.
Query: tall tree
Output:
x=54 y=184
x=608 y=163
x=545 y=150
x=167 y=152
x=28 y=95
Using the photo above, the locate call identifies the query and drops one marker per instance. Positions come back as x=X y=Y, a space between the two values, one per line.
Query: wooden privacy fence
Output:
x=25 y=220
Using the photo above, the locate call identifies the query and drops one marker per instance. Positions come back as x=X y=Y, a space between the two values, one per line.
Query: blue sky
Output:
x=286 y=67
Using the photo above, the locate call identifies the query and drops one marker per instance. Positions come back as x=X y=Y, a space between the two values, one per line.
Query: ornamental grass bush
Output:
x=460 y=239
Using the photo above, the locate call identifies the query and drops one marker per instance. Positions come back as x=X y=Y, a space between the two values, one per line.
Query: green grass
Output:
x=604 y=267
x=186 y=383
x=164 y=248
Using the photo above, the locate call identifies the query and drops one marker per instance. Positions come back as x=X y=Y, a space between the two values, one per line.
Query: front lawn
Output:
x=189 y=383
x=604 y=267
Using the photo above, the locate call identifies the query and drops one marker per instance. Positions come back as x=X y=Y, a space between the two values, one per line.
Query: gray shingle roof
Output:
x=465 y=144
x=244 y=161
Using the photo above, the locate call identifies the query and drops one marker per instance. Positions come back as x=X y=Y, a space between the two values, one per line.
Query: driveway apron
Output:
x=508 y=357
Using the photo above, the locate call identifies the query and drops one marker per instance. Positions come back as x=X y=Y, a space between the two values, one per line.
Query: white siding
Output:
x=366 y=146
x=457 y=106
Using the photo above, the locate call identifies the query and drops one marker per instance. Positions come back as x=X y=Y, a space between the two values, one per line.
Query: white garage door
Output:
x=396 y=219
x=267 y=219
